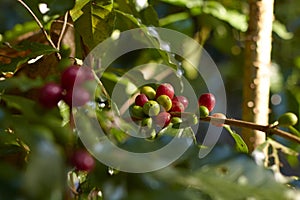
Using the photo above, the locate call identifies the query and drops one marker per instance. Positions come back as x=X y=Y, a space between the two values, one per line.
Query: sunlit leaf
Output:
x=20 y=29
x=33 y=49
x=241 y=146
x=95 y=23
x=281 y=31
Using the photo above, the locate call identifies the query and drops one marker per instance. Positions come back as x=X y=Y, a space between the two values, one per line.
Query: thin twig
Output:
x=267 y=129
x=40 y=25
x=62 y=30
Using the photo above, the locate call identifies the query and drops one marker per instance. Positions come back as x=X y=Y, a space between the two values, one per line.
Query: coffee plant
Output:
x=54 y=91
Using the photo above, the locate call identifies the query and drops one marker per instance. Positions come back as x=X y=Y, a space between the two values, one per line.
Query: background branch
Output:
x=40 y=25
x=269 y=130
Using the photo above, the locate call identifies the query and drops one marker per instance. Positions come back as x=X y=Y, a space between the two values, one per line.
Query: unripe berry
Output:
x=76 y=97
x=166 y=89
x=50 y=95
x=204 y=112
x=163 y=119
x=136 y=112
x=177 y=106
x=165 y=102
x=140 y=100
x=147 y=122
x=149 y=92
x=176 y=120
x=208 y=100
x=151 y=108
x=183 y=100
x=82 y=160
x=288 y=119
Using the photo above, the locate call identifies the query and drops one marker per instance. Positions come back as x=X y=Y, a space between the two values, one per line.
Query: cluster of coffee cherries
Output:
x=157 y=105
x=51 y=93
x=162 y=107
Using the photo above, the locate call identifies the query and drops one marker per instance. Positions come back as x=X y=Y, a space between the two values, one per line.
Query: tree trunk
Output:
x=256 y=69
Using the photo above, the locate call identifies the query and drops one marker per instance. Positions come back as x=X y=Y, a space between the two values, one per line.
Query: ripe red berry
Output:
x=82 y=160
x=50 y=95
x=140 y=100
x=166 y=89
x=208 y=100
x=87 y=73
x=177 y=106
x=163 y=119
x=76 y=97
x=69 y=76
x=183 y=100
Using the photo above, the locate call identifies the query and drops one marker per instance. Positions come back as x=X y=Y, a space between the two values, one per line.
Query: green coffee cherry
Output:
x=165 y=102
x=204 y=112
x=147 y=122
x=149 y=92
x=136 y=112
x=176 y=120
x=151 y=108
x=287 y=119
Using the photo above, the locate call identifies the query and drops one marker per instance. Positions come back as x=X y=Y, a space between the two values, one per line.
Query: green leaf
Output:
x=281 y=31
x=239 y=142
x=22 y=104
x=20 y=29
x=10 y=181
x=35 y=49
x=76 y=11
x=233 y=17
x=95 y=23
x=59 y=7
x=21 y=82
x=237 y=177
x=44 y=173
x=185 y=3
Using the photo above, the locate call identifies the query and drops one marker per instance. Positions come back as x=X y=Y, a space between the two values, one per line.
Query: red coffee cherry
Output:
x=177 y=106
x=163 y=119
x=82 y=160
x=208 y=100
x=141 y=99
x=76 y=97
x=166 y=89
x=69 y=76
x=183 y=100
x=50 y=95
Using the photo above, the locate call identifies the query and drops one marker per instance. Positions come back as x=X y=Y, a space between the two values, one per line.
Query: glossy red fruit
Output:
x=76 y=97
x=69 y=76
x=163 y=119
x=141 y=99
x=208 y=100
x=82 y=160
x=183 y=100
x=166 y=89
x=50 y=95
x=177 y=106
x=87 y=73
